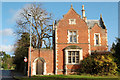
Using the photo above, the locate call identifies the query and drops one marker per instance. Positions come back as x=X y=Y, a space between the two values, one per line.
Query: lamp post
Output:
x=30 y=46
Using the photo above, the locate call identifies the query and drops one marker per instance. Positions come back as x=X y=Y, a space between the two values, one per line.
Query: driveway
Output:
x=6 y=75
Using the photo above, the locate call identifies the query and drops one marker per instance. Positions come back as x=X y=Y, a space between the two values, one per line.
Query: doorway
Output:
x=39 y=67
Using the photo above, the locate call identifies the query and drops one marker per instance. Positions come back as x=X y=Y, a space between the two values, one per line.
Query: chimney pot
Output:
x=82 y=7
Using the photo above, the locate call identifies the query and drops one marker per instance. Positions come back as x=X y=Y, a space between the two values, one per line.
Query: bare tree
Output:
x=41 y=31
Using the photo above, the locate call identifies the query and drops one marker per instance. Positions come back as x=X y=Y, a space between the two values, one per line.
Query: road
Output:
x=6 y=75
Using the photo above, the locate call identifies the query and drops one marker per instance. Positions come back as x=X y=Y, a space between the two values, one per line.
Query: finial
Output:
x=53 y=25
x=82 y=7
x=101 y=15
x=71 y=6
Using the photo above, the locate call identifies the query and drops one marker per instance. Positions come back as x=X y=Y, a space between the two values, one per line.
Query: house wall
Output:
x=55 y=59
x=62 y=39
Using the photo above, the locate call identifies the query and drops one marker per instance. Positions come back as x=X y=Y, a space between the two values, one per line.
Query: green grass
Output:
x=71 y=77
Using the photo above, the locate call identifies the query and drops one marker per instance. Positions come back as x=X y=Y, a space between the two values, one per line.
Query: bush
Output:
x=5 y=66
x=99 y=65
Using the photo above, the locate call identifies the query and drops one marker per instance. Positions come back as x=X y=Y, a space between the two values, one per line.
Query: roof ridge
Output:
x=73 y=10
x=93 y=19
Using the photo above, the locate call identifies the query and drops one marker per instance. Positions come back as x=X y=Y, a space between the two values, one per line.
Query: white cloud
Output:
x=16 y=13
x=12 y=11
x=7 y=48
x=6 y=32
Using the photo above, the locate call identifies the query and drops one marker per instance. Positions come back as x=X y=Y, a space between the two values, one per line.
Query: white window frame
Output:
x=72 y=39
x=70 y=21
x=80 y=55
x=95 y=39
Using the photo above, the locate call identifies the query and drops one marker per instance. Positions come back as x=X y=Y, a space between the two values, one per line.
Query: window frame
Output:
x=70 y=21
x=69 y=41
x=73 y=56
x=80 y=55
x=99 y=41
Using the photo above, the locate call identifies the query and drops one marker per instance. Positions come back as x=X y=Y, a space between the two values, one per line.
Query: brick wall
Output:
x=62 y=35
x=103 y=36
x=46 y=54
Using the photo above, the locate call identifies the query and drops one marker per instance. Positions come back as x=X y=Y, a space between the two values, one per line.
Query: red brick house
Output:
x=74 y=38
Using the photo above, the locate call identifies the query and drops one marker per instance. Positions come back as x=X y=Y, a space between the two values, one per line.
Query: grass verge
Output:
x=69 y=77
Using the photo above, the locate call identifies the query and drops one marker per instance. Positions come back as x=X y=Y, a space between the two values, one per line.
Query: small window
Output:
x=97 y=39
x=72 y=21
x=73 y=56
x=72 y=36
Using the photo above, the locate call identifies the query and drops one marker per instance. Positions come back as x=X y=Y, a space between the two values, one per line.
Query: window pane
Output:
x=97 y=42
x=97 y=39
x=77 y=57
x=77 y=60
x=73 y=59
x=70 y=32
x=74 y=33
x=69 y=59
x=73 y=53
x=96 y=36
x=72 y=21
x=74 y=38
x=69 y=53
x=77 y=53
x=70 y=38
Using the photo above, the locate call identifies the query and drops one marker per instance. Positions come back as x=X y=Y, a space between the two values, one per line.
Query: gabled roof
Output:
x=100 y=22
x=91 y=23
x=72 y=10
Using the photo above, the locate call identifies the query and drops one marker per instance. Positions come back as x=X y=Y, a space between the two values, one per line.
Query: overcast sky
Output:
x=10 y=11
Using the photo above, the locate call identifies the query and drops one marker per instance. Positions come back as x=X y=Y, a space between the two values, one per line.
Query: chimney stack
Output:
x=83 y=14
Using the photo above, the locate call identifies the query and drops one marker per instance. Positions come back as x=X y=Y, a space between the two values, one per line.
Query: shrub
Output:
x=99 y=64
x=5 y=66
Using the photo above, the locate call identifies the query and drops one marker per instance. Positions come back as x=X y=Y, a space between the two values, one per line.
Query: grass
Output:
x=69 y=77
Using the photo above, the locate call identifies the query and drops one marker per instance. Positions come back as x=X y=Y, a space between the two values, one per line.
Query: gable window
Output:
x=72 y=35
x=72 y=21
x=73 y=56
x=97 y=39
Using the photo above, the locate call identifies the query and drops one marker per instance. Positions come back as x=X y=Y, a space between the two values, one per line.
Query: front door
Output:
x=39 y=67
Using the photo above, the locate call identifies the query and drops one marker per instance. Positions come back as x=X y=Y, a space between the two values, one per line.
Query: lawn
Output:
x=69 y=77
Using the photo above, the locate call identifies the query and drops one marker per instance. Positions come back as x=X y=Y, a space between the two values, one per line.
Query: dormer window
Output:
x=72 y=21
